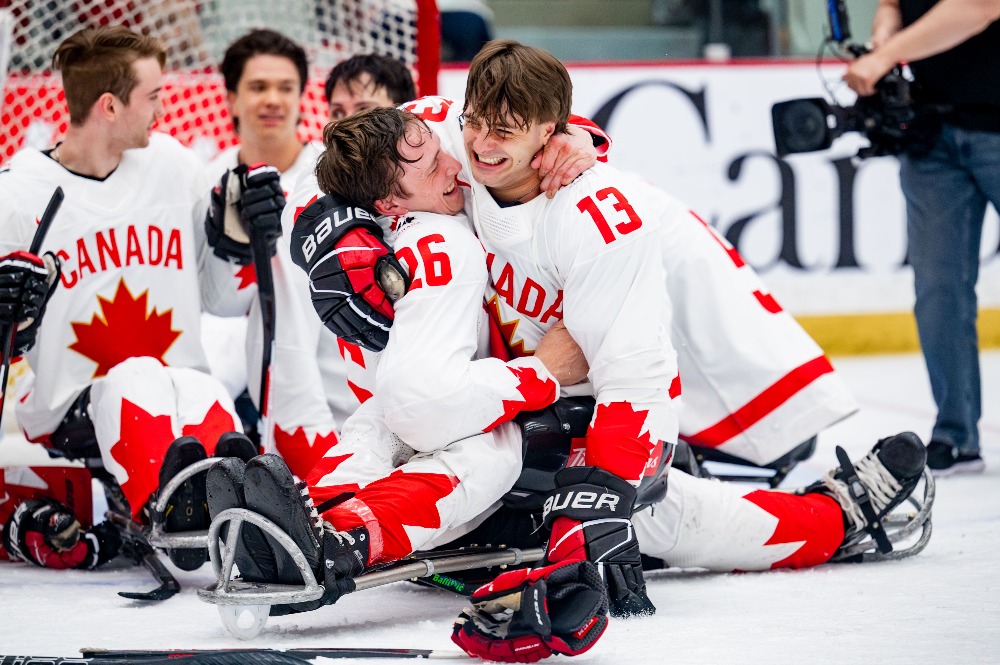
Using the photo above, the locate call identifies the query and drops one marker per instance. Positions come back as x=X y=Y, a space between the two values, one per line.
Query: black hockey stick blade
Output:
x=7 y=333
x=262 y=656
x=169 y=586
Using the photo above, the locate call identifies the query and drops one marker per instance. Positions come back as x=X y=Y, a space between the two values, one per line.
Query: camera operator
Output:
x=953 y=48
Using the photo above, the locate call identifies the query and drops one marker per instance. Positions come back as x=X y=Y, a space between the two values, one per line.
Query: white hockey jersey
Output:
x=133 y=262
x=755 y=385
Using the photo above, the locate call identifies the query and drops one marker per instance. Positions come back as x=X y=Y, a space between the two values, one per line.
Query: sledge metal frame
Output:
x=234 y=597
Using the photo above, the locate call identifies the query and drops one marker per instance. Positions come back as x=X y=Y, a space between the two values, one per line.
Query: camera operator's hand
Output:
x=862 y=74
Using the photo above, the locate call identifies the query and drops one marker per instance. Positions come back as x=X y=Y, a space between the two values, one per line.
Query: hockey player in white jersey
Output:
x=118 y=375
x=265 y=74
x=385 y=495
x=699 y=523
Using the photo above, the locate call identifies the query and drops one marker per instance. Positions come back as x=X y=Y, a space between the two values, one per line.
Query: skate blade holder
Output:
x=899 y=526
x=178 y=540
x=237 y=599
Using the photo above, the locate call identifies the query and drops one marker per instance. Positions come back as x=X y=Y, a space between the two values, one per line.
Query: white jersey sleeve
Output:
x=434 y=390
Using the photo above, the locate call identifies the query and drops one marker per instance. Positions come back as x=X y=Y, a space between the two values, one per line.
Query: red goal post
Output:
x=196 y=35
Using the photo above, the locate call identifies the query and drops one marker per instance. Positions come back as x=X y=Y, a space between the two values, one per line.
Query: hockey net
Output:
x=196 y=35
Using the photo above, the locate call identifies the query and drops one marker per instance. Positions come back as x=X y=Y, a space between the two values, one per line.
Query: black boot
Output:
x=187 y=508
x=334 y=557
x=869 y=489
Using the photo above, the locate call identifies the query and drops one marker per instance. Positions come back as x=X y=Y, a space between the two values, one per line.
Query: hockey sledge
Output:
x=144 y=541
x=244 y=607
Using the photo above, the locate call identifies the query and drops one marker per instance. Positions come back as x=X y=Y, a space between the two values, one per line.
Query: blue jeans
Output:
x=946 y=195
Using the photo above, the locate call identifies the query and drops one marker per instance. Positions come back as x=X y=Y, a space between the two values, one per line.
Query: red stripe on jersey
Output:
x=618 y=442
x=762 y=405
x=299 y=452
x=536 y=394
x=217 y=422
x=143 y=440
x=815 y=520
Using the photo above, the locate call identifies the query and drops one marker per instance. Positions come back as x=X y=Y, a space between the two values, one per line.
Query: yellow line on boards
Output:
x=860 y=334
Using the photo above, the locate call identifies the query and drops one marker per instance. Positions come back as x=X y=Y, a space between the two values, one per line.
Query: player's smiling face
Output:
x=429 y=180
x=144 y=107
x=501 y=155
x=267 y=100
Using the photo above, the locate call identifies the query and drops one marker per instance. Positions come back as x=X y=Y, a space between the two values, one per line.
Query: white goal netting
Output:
x=196 y=35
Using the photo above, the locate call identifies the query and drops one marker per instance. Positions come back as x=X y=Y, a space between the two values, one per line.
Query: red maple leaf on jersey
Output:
x=125 y=331
x=299 y=452
x=815 y=521
x=143 y=439
x=618 y=441
x=247 y=276
x=536 y=394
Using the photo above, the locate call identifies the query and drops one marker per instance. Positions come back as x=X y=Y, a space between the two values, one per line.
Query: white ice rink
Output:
x=940 y=607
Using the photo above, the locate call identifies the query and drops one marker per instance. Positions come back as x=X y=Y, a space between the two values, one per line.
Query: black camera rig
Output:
x=890 y=119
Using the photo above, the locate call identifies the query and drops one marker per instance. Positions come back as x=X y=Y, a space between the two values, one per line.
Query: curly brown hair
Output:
x=362 y=159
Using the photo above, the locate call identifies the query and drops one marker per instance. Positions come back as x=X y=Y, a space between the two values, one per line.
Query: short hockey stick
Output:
x=7 y=332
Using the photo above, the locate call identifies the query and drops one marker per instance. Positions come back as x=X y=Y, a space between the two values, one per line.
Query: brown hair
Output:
x=362 y=159
x=94 y=61
x=508 y=80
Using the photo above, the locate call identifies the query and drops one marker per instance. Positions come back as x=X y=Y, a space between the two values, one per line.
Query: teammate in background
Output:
x=617 y=308
x=265 y=75
x=109 y=313
x=953 y=48
x=367 y=81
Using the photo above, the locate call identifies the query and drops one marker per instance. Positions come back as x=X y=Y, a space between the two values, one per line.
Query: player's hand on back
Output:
x=564 y=157
x=562 y=356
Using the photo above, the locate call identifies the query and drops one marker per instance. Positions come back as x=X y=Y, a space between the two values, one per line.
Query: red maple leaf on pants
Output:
x=617 y=442
x=399 y=500
x=125 y=331
x=143 y=439
x=217 y=422
x=299 y=453
x=814 y=520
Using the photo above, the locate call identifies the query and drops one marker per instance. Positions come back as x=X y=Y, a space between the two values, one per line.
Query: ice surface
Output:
x=940 y=607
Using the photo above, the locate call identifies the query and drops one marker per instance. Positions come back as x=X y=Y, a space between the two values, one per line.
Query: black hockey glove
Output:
x=247 y=201
x=529 y=614
x=353 y=275
x=590 y=514
x=27 y=281
x=47 y=533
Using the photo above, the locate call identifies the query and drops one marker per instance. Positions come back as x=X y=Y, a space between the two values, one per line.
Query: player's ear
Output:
x=548 y=129
x=389 y=207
